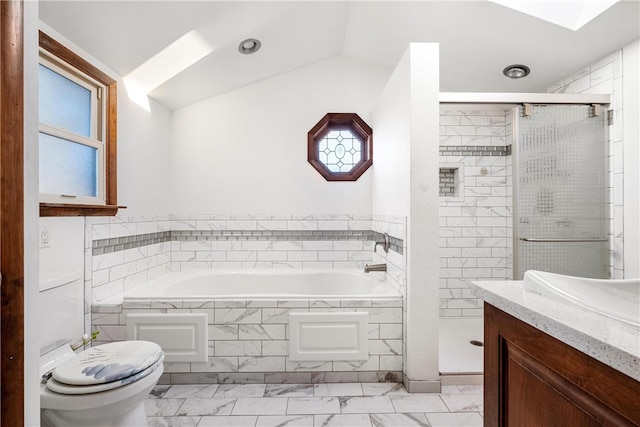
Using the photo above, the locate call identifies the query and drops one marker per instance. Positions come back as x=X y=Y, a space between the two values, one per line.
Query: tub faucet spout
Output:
x=375 y=267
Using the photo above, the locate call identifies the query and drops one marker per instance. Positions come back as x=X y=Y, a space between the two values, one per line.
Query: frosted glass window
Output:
x=64 y=104
x=340 y=150
x=67 y=167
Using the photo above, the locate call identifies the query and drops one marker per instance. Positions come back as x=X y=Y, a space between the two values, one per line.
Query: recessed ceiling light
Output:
x=249 y=46
x=516 y=71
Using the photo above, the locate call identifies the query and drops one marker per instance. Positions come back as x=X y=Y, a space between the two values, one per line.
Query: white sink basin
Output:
x=618 y=299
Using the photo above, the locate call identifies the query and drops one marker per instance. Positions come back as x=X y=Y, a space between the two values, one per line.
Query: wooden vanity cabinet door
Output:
x=535 y=380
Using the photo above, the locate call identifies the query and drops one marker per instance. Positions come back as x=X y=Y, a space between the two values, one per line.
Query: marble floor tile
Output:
x=289 y=390
x=196 y=390
x=285 y=421
x=173 y=421
x=463 y=402
x=260 y=406
x=337 y=389
x=450 y=389
x=158 y=391
x=342 y=420
x=229 y=421
x=418 y=403
x=471 y=389
x=240 y=390
x=383 y=389
x=213 y=406
x=470 y=419
x=365 y=404
x=313 y=405
x=399 y=420
x=162 y=407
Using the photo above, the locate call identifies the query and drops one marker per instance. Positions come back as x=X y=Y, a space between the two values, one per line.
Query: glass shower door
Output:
x=560 y=191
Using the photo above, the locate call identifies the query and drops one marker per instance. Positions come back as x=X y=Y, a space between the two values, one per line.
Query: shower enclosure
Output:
x=522 y=186
x=560 y=190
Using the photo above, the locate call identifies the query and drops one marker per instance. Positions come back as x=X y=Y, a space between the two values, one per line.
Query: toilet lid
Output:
x=108 y=363
x=62 y=388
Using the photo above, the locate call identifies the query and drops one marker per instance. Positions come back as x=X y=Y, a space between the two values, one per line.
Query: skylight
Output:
x=571 y=14
x=169 y=62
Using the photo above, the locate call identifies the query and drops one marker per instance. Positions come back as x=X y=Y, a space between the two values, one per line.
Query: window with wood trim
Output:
x=77 y=134
x=340 y=146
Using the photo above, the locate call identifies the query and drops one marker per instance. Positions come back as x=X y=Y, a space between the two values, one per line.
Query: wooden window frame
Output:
x=336 y=121
x=110 y=207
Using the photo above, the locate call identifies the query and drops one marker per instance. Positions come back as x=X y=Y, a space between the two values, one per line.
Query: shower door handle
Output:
x=576 y=240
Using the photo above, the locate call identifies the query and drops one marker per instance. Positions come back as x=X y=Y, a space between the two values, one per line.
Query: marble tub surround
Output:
x=248 y=340
x=125 y=251
x=348 y=404
x=609 y=341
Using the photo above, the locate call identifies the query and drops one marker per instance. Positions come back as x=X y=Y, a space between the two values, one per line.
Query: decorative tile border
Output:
x=105 y=246
x=475 y=150
x=290 y=235
x=395 y=244
x=115 y=244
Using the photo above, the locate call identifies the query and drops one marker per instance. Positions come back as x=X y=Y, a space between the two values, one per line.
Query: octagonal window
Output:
x=340 y=146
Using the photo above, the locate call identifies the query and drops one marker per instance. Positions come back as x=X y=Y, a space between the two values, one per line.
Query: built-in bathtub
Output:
x=264 y=284
x=264 y=325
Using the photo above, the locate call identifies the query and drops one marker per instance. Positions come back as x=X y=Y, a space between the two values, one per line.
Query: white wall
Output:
x=392 y=150
x=143 y=157
x=31 y=212
x=406 y=184
x=245 y=152
x=631 y=137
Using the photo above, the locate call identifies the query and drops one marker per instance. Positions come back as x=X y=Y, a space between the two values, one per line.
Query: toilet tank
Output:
x=61 y=309
x=61 y=305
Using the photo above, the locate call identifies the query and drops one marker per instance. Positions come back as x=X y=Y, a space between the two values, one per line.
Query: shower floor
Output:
x=457 y=355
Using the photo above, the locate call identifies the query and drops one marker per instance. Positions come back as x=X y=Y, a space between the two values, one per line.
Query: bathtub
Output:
x=260 y=325
x=264 y=284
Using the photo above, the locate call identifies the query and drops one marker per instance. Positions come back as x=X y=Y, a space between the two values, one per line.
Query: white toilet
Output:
x=104 y=385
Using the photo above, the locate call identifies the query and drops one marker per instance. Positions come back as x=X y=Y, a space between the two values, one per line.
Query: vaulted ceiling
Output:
x=477 y=39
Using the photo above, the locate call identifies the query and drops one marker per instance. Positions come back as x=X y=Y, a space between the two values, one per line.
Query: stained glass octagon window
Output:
x=340 y=146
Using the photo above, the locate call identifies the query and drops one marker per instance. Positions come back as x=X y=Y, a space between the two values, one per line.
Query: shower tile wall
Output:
x=476 y=236
x=605 y=76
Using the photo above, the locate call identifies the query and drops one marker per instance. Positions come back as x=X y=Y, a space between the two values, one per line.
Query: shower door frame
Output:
x=515 y=100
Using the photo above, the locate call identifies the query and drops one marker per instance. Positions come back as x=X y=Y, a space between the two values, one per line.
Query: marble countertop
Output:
x=609 y=341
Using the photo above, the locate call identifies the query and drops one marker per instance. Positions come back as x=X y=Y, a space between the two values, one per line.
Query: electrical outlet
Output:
x=44 y=237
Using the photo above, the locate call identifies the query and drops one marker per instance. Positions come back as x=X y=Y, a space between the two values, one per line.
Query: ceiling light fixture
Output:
x=249 y=46
x=516 y=71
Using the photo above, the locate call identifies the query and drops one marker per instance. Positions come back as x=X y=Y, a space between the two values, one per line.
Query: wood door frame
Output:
x=12 y=213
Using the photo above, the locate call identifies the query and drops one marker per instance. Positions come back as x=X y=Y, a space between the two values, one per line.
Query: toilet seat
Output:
x=106 y=367
x=62 y=388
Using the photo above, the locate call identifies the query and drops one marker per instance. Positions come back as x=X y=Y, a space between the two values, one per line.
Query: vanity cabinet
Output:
x=532 y=379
